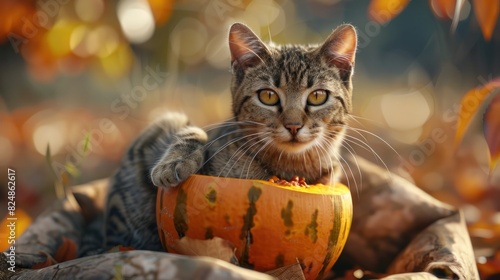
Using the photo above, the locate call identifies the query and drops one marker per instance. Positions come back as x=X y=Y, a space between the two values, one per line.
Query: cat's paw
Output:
x=171 y=173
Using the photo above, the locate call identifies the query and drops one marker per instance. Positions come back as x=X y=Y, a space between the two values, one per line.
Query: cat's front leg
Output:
x=182 y=158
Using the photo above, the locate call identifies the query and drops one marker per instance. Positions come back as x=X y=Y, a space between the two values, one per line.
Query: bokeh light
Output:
x=405 y=110
x=136 y=20
x=188 y=40
x=89 y=10
x=52 y=134
x=100 y=41
x=118 y=62
x=58 y=37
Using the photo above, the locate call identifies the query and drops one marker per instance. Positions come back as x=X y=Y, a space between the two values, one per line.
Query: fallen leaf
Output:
x=491 y=129
x=382 y=11
x=289 y=272
x=120 y=248
x=444 y=9
x=162 y=9
x=66 y=251
x=48 y=261
x=216 y=247
x=469 y=105
x=486 y=12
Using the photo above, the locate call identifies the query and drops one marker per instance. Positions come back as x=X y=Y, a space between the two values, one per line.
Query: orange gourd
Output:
x=269 y=225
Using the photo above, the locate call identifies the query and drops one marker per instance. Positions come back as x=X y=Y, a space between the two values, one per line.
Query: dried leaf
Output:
x=491 y=128
x=66 y=251
x=486 y=12
x=58 y=186
x=444 y=9
x=289 y=272
x=49 y=260
x=216 y=247
x=162 y=9
x=382 y=11
x=86 y=144
x=71 y=169
x=469 y=104
x=120 y=248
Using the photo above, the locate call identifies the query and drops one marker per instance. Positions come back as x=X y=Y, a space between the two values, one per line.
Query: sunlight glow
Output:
x=358 y=273
x=53 y=134
x=405 y=111
x=85 y=42
x=78 y=39
x=118 y=62
x=136 y=20
x=58 y=37
x=188 y=40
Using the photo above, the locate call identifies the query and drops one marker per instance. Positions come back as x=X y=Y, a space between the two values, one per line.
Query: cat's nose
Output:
x=293 y=128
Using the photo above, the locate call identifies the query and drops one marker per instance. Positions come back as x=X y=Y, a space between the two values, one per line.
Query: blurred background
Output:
x=85 y=76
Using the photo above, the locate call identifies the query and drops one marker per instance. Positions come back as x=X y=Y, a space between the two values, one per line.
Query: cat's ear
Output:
x=247 y=50
x=339 y=49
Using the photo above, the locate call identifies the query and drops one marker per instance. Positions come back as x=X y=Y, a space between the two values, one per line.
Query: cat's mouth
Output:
x=295 y=145
x=295 y=142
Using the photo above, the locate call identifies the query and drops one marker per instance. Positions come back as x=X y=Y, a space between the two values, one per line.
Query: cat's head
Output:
x=300 y=95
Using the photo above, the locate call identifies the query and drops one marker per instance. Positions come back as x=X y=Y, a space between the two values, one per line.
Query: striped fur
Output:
x=257 y=143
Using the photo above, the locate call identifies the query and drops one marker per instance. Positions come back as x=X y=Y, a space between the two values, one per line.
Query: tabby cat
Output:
x=290 y=105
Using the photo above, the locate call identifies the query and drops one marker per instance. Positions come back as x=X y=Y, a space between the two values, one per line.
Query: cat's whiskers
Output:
x=358 y=118
x=328 y=155
x=366 y=146
x=345 y=144
x=279 y=158
x=304 y=159
x=254 y=135
x=269 y=141
x=242 y=153
x=242 y=146
x=211 y=127
x=247 y=151
x=227 y=124
x=269 y=32
x=362 y=144
x=267 y=150
x=329 y=140
x=352 y=152
x=342 y=160
x=217 y=124
x=211 y=142
x=320 y=161
x=376 y=136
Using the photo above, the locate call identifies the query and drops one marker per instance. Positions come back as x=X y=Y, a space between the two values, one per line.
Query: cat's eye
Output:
x=317 y=97
x=268 y=97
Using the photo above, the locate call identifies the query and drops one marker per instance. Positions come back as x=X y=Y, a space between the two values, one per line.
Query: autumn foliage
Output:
x=486 y=11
